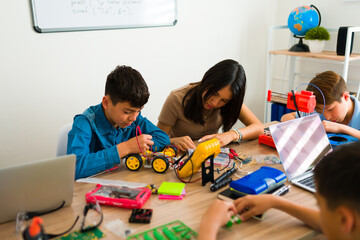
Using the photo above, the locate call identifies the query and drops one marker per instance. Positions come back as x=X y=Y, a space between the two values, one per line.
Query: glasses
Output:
x=91 y=219
x=92 y=216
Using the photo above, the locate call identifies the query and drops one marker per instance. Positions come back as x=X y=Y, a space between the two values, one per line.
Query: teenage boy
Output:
x=341 y=109
x=338 y=196
x=105 y=133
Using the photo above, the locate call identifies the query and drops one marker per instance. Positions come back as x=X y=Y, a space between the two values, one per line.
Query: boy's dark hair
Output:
x=332 y=86
x=125 y=84
x=222 y=74
x=337 y=177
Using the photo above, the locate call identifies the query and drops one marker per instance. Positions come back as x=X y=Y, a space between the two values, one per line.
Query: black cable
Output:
x=192 y=170
x=178 y=160
x=66 y=231
x=31 y=215
x=297 y=110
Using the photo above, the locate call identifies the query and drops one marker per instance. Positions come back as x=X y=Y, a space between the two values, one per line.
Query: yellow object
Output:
x=160 y=164
x=201 y=153
x=159 y=161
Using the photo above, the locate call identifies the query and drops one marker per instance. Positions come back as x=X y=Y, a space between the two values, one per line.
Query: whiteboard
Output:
x=80 y=15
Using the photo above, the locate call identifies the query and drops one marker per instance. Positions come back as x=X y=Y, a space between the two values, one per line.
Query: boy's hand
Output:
x=252 y=205
x=288 y=117
x=183 y=143
x=224 y=138
x=132 y=145
x=216 y=216
x=332 y=127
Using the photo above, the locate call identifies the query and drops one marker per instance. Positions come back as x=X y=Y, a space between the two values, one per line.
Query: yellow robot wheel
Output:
x=160 y=164
x=171 y=151
x=133 y=162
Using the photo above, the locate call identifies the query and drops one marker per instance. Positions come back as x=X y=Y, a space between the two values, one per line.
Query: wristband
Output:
x=240 y=136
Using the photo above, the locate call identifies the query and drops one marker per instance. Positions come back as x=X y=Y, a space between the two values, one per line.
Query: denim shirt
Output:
x=93 y=140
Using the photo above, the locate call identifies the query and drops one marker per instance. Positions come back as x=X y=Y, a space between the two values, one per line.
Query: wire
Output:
x=150 y=156
x=138 y=132
x=297 y=110
x=227 y=165
x=176 y=170
x=318 y=90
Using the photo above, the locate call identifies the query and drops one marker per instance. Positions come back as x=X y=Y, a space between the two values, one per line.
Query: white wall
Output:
x=48 y=78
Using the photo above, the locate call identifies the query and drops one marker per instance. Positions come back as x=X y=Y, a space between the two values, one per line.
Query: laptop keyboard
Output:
x=309 y=182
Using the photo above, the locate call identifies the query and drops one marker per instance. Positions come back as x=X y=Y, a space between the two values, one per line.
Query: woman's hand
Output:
x=224 y=138
x=183 y=143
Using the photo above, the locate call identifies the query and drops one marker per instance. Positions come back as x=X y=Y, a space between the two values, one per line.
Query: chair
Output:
x=63 y=138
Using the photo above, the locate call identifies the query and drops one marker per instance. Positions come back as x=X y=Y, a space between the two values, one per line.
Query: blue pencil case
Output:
x=261 y=181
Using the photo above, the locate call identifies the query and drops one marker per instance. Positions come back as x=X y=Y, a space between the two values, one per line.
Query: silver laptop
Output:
x=36 y=186
x=301 y=144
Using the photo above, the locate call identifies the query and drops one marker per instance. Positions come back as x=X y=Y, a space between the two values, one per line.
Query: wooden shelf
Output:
x=325 y=55
x=328 y=55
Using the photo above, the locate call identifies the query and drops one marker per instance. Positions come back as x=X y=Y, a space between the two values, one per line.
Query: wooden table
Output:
x=276 y=224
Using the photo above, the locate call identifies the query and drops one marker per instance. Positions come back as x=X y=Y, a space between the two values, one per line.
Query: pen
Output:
x=282 y=191
x=106 y=171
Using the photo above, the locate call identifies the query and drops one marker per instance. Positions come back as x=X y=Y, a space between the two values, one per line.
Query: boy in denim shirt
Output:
x=105 y=133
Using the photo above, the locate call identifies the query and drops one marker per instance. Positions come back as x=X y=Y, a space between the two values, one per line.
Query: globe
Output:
x=303 y=18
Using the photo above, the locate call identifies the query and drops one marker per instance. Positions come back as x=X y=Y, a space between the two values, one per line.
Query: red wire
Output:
x=184 y=180
x=138 y=132
x=145 y=155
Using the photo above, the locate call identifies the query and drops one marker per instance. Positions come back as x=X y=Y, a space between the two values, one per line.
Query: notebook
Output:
x=301 y=144
x=36 y=186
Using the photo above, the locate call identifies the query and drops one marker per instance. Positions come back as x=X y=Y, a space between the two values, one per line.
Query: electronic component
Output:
x=222 y=180
x=234 y=219
x=201 y=153
x=216 y=186
x=140 y=216
x=266 y=139
x=171 y=230
x=262 y=180
x=305 y=100
x=225 y=175
x=123 y=197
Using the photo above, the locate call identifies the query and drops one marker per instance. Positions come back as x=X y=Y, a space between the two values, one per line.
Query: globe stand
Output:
x=300 y=46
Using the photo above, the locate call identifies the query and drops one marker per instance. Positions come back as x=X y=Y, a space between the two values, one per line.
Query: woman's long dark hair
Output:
x=224 y=73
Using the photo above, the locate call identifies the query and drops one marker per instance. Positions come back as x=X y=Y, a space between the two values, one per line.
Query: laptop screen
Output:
x=301 y=144
x=39 y=186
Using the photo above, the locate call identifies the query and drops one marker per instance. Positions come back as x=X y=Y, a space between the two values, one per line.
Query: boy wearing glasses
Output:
x=338 y=196
x=105 y=133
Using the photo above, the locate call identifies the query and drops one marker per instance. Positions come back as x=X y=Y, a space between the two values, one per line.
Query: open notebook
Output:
x=301 y=144
x=36 y=186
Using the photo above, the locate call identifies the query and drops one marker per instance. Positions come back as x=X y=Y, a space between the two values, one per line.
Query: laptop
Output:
x=36 y=186
x=301 y=144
